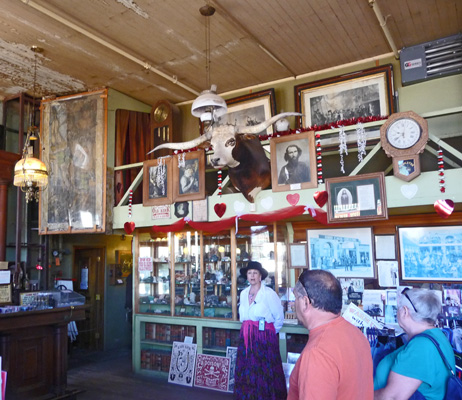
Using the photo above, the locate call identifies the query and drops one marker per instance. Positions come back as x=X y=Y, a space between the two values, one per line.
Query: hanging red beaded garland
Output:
x=219 y=182
x=441 y=170
x=319 y=157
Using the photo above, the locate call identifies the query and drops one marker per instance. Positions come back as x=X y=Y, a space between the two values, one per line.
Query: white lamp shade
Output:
x=209 y=102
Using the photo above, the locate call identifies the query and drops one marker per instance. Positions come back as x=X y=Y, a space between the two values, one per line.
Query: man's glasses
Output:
x=407 y=297
x=302 y=286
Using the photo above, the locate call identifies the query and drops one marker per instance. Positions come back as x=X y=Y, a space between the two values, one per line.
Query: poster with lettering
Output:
x=182 y=363
x=212 y=372
x=231 y=353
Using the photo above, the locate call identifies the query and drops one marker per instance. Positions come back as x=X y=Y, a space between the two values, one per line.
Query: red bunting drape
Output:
x=268 y=218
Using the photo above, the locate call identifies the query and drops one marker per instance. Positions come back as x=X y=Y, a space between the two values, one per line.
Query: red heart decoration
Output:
x=220 y=209
x=293 y=199
x=444 y=208
x=129 y=227
x=320 y=198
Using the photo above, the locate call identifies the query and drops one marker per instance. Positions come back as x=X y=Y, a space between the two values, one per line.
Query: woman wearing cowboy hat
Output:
x=259 y=373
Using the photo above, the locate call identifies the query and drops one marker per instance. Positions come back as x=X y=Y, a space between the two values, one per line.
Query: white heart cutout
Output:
x=267 y=203
x=238 y=207
x=409 y=191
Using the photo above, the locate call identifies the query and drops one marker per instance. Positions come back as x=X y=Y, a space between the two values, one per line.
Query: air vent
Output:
x=431 y=60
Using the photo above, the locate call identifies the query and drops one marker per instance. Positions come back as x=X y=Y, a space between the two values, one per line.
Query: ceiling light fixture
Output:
x=208 y=106
x=30 y=174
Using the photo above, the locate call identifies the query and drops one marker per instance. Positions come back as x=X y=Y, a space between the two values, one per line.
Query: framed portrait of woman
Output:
x=189 y=176
x=157 y=181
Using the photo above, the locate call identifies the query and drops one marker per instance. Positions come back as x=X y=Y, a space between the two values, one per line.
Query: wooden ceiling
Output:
x=89 y=44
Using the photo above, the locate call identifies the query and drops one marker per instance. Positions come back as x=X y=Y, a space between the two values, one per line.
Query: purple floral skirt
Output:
x=259 y=374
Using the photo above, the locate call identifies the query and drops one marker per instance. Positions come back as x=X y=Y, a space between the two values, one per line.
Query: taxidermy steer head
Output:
x=239 y=149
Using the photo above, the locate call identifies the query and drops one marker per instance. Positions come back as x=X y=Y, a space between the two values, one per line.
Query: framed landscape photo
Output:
x=364 y=93
x=157 y=181
x=431 y=253
x=298 y=255
x=251 y=109
x=356 y=198
x=189 y=176
x=346 y=252
x=293 y=162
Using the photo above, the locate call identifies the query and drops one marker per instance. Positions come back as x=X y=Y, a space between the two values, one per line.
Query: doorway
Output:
x=88 y=273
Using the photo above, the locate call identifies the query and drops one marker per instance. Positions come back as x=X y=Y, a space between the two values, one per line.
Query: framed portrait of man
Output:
x=189 y=176
x=157 y=181
x=293 y=162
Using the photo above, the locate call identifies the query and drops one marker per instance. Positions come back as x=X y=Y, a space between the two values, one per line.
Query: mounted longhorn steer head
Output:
x=239 y=149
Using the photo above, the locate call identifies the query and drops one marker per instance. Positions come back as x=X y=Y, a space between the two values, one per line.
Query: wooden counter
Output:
x=33 y=346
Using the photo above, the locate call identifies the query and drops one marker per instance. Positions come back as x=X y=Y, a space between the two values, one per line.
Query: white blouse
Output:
x=266 y=304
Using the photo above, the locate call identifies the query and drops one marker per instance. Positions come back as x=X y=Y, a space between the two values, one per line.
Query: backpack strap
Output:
x=439 y=350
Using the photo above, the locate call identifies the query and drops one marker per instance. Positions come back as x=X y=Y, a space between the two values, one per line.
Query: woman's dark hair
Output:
x=323 y=290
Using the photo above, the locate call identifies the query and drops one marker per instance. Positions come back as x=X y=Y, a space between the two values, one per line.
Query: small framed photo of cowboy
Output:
x=189 y=176
x=293 y=162
x=157 y=181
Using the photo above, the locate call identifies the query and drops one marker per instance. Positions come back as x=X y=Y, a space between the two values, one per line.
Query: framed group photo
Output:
x=356 y=198
x=251 y=109
x=346 y=252
x=157 y=181
x=189 y=176
x=364 y=93
x=293 y=162
x=432 y=253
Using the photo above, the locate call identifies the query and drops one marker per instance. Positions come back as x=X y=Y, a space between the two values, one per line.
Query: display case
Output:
x=153 y=275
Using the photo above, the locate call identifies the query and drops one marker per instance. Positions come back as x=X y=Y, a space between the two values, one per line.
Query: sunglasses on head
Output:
x=407 y=297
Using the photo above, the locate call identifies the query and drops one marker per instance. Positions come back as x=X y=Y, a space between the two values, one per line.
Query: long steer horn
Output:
x=185 y=145
x=255 y=129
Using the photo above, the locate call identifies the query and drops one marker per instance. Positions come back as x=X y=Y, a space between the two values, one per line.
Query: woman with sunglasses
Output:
x=416 y=370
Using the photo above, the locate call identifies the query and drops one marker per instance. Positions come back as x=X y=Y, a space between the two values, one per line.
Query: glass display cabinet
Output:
x=153 y=275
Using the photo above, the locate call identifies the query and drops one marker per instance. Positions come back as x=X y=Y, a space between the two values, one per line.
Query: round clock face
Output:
x=403 y=133
x=161 y=113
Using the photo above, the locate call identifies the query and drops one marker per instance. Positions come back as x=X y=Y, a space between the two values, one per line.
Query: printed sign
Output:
x=145 y=264
x=212 y=372
x=182 y=363
x=231 y=353
x=160 y=212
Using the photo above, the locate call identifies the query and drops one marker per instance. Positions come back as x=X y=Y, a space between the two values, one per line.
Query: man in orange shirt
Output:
x=336 y=362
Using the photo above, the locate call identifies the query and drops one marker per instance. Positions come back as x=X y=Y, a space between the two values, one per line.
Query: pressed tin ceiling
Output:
x=122 y=44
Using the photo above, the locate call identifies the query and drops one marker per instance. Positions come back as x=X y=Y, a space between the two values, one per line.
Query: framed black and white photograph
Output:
x=293 y=162
x=346 y=252
x=431 y=253
x=157 y=181
x=367 y=93
x=298 y=256
x=189 y=176
x=181 y=209
x=251 y=109
x=385 y=247
x=356 y=198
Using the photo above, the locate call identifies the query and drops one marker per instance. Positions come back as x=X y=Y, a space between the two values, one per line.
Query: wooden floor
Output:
x=108 y=376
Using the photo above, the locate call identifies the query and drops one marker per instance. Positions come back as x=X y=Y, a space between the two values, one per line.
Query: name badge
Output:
x=261 y=325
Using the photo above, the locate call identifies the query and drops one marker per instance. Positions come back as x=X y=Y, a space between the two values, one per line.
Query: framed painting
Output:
x=298 y=257
x=157 y=181
x=251 y=109
x=431 y=253
x=189 y=176
x=73 y=135
x=366 y=93
x=293 y=162
x=125 y=259
x=346 y=252
x=356 y=198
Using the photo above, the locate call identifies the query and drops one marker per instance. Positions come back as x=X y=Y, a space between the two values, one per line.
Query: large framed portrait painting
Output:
x=293 y=162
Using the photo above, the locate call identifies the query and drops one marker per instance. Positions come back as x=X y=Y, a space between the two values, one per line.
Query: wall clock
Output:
x=403 y=137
